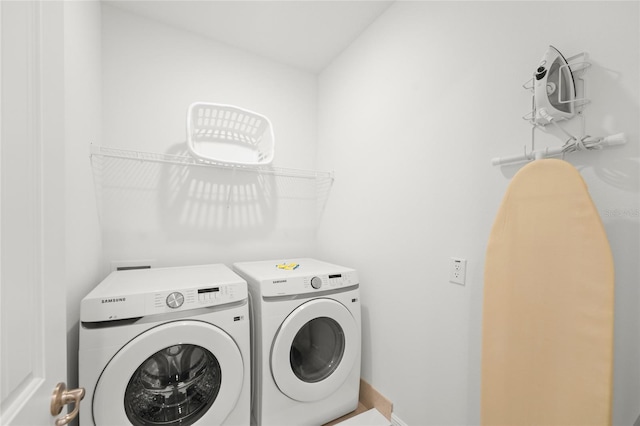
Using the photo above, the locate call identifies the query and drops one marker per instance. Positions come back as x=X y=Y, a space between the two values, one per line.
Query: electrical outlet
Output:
x=457 y=270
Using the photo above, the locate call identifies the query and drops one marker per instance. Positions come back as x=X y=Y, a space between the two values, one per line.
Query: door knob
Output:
x=61 y=397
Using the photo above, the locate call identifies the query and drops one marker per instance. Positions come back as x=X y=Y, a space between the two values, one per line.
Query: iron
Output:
x=554 y=89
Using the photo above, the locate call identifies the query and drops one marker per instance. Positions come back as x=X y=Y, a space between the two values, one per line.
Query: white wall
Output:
x=410 y=116
x=174 y=215
x=82 y=126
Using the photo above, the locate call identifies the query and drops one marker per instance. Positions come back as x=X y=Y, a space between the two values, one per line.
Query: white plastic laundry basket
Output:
x=226 y=134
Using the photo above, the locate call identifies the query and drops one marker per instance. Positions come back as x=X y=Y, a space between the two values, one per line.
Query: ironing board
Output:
x=547 y=349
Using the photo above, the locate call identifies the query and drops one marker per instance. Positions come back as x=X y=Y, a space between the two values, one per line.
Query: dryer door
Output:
x=315 y=350
x=177 y=373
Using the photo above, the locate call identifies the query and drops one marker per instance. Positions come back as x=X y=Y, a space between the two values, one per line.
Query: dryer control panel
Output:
x=309 y=284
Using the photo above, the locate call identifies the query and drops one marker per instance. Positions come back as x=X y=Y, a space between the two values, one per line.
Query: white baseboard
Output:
x=396 y=421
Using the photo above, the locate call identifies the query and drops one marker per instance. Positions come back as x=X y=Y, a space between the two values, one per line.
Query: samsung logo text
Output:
x=115 y=300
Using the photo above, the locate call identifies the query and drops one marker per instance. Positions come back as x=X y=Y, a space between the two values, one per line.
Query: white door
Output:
x=314 y=350
x=32 y=289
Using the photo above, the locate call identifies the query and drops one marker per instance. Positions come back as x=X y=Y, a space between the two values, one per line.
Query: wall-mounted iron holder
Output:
x=577 y=65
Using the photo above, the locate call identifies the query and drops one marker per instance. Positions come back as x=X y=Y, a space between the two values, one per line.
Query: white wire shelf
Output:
x=187 y=160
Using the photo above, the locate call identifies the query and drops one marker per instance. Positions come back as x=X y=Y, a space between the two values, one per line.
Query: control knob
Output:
x=316 y=282
x=175 y=300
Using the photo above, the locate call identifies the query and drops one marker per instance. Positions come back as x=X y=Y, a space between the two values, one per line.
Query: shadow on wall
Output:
x=625 y=231
x=155 y=200
x=168 y=208
x=205 y=202
x=621 y=173
x=366 y=370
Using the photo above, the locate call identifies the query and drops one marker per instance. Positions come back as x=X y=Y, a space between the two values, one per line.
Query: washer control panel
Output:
x=137 y=305
x=194 y=298
x=143 y=292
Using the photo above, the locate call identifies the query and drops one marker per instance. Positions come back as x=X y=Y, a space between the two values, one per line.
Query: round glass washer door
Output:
x=177 y=373
x=314 y=350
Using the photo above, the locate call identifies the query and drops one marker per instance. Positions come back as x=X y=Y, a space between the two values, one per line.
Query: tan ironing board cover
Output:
x=547 y=345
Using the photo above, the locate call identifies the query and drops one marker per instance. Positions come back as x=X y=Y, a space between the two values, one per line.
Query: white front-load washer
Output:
x=166 y=346
x=307 y=333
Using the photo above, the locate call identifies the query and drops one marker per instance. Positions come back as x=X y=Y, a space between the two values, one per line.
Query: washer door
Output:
x=314 y=350
x=177 y=373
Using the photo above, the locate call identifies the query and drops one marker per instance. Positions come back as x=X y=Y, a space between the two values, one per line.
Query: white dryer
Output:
x=167 y=346
x=307 y=333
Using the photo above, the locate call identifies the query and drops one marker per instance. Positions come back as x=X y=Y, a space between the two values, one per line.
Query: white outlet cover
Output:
x=457 y=270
